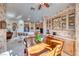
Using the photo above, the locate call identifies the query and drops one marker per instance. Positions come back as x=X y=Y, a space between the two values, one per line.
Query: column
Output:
x=51 y=26
x=29 y=26
x=67 y=22
x=44 y=26
x=34 y=27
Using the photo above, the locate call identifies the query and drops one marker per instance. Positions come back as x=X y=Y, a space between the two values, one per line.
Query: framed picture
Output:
x=2 y=24
x=14 y=26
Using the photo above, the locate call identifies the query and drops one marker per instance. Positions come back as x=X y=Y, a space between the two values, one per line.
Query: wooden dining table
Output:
x=38 y=48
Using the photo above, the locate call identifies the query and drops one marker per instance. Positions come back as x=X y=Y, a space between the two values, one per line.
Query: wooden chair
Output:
x=58 y=47
x=49 y=53
x=9 y=35
x=57 y=50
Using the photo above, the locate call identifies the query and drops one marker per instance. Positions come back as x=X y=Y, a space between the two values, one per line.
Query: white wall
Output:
x=10 y=22
x=3 y=45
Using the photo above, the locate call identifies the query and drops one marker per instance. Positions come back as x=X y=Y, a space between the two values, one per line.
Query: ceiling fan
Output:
x=41 y=5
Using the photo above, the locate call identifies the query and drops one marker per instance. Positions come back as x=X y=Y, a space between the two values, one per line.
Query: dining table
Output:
x=38 y=49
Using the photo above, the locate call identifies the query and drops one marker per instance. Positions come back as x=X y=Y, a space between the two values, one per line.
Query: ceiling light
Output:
x=21 y=22
x=18 y=17
x=28 y=19
x=10 y=15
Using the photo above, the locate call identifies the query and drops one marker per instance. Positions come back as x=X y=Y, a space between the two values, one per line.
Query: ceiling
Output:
x=16 y=11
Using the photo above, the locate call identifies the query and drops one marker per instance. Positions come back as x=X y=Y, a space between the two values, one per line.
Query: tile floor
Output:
x=16 y=48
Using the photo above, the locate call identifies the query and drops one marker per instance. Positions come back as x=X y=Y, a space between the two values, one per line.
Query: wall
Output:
x=9 y=23
x=3 y=43
x=77 y=29
x=3 y=46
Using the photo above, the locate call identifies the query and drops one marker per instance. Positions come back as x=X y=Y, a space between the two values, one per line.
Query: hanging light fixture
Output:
x=42 y=5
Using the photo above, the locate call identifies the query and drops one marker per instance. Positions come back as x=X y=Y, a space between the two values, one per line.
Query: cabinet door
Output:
x=69 y=47
x=72 y=21
x=64 y=22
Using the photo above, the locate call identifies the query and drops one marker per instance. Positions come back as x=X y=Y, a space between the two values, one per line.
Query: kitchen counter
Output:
x=69 y=45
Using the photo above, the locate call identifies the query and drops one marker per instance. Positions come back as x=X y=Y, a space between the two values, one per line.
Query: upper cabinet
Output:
x=56 y=23
x=64 y=20
x=72 y=21
x=48 y=23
